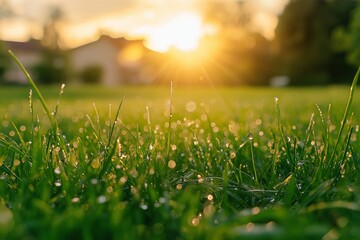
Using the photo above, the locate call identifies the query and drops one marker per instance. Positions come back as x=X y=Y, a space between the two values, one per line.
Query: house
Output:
x=120 y=60
x=28 y=53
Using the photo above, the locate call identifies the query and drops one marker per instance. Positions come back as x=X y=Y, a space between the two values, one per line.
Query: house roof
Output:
x=118 y=42
x=32 y=45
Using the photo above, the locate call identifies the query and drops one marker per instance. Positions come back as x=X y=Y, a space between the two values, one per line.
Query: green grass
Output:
x=225 y=164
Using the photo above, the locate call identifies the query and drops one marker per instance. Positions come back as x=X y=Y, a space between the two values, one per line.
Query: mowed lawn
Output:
x=192 y=163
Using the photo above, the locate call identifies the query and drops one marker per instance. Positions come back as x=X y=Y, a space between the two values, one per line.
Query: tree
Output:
x=52 y=38
x=54 y=66
x=243 y=55
x=347 y=39
x=303 y=40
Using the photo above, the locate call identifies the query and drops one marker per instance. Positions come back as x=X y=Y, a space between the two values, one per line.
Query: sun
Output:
x=182 y=32
x=187 y=44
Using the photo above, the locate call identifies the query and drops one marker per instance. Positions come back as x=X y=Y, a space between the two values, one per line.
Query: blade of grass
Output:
x=110 y=154
x=251 y=137
x=170 y=119
x=346 y=113
x=6 y=170
x=58 y=101
x=33 y=85
x=281 y=130
x=98 y=123
x=115 y=122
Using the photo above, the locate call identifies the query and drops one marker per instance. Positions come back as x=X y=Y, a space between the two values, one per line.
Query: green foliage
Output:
x=303 y=37
x=180 y=164
x=251 y=60
x=91 y=74
x=53 y=67
x=346 y=39
x=4 y=63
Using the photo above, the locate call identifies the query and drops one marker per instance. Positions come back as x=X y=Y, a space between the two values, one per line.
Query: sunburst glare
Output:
x=182 y=32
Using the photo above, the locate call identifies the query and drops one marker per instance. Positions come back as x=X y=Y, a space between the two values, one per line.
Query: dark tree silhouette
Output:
x=303 y=39
x=54 y=66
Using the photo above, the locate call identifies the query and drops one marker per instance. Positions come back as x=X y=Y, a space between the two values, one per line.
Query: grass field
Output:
x=202 y=163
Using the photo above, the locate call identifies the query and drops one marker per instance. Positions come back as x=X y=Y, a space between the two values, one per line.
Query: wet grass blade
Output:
x=33 y=85
x=281 y=130
x=346 y=112
x=170 y=120
x=5 y=169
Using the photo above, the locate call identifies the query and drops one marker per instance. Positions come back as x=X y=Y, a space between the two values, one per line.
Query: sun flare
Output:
x=182 y=32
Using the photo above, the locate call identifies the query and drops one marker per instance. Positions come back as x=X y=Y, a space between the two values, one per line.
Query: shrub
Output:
x=91 y=74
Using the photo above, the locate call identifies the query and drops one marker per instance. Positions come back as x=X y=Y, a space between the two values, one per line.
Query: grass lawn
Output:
x=201 y=163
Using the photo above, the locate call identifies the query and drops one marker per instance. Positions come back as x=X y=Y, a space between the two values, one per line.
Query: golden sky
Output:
x=158 y=21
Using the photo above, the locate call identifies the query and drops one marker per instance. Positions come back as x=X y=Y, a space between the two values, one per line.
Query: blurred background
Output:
x=190 y=42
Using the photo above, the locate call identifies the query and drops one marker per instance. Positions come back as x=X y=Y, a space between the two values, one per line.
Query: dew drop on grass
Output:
x=203 y=117
x=58 y=183
x=75 y=200
x=94 y=181
x=215 y=129
x=162 y=200
x=143 y=206
x=195 y=221
x=200 y=179
x=62 y=89
x=250 y=227
x=16 y=162
x=95 y=163
x=57 y=171
x=258 y=122
x=250 y=136
x=342 y=170
x=191 y=106
x=109 y=189
x=134 y=173
x=270 y=225
x=171 y=164
x=255 y=210
x=101 y=199
x=123 y=179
